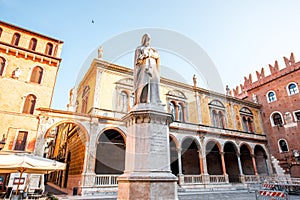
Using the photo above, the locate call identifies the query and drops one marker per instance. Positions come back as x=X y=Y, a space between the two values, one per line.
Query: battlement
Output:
x=275 y=72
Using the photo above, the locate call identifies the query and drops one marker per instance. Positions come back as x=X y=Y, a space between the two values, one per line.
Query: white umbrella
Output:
x=11 y=161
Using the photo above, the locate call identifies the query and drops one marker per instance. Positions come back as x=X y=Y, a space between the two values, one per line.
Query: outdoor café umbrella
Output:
x=23 y=162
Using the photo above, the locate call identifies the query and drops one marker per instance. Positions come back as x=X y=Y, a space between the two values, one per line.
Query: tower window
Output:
x=271 y=96
x=36 y=75
x=29 y=104
x=277 y=119
x=292 y=89
x=283 y=147
x=49 y=49
x=16 y=39
x=32 y=44
x=2 y=65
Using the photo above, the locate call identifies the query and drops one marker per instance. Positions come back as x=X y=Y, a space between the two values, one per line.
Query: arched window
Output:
x=217 y=110
x=292 y=89
x=29 y=104
x=32 y=44
x=49 y=49
x=214 y=118
x=271 y=96
x=172 y=109
x=180 y=113
x=277 y=119
x=247 y=120
x=2 y=65
x=245 y=123
x=36 y=75
x=124 y=101
x=283 y=147
x=221 y=119
x=16 y=39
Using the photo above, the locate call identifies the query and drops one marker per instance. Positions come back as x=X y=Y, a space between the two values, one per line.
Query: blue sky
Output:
x=239 y=36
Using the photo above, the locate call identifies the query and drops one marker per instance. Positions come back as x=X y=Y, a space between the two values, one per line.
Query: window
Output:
x=85 y=97
x=180 y=113
x=32 y=44
x=131 y=101
x=2 y=65
x=297 y=115
x=292 y=89
x=172 y=109
x=124 y=102
x=277 y=119
x=283 y=147
x=247 y=120
x=1 y=31
x=271 y=96
x=36 y=75
x=217 y=110
x=29 y=104
x=49 y=49
x=16 y=39
x=21 y=141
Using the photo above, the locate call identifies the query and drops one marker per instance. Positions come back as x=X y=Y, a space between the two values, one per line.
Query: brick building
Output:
x=278 y=93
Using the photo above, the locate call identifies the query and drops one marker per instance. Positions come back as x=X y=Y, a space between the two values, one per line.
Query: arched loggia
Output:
x=174 y=157
x=231 y=162
x=261 y=160
x=190 y=157
x=65 y=142
x=246 y=160
x=213 y=159
x=110 y=154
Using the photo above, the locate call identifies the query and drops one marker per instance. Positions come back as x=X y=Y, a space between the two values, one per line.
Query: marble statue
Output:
x=146 y=73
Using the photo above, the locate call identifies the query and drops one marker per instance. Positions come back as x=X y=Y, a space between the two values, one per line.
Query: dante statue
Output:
x=146 y=73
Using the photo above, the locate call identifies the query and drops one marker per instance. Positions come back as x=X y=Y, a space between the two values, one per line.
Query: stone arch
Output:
x=213 y=157
x=246 y=159
x=261 y=160
x=67 y=141
x=190 y=149
x=174 y=147
x=231 y=161
x=110 y=151
x=112 y=128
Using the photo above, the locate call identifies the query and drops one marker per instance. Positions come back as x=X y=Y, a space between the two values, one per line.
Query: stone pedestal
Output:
x=147 y=172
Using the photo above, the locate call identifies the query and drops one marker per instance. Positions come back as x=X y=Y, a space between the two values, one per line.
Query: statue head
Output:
x=146 y=40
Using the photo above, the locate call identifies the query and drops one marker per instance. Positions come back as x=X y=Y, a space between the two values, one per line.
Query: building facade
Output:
x=278 y=93
x=29 y=64
x=215 y=140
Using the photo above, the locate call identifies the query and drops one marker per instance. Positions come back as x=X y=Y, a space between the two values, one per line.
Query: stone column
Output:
x=254 y=164
x=176 y=112
x=224 y=167
x=147 y=172
x=88 y=176
x=242 y=177
x=200 y=162
x=205 y=175
x=180 y=174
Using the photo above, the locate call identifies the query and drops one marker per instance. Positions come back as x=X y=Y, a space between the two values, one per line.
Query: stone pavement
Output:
x=222 y=195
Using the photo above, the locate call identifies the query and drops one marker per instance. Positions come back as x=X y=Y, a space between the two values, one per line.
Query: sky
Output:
x=238 y=36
